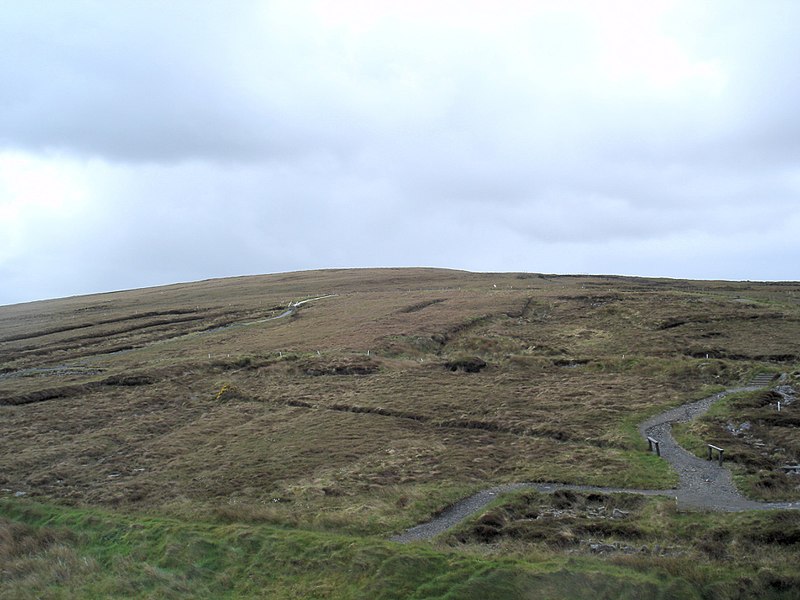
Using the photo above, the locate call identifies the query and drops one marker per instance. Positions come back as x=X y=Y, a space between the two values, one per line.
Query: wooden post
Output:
x=653 y=442
x=718 y=449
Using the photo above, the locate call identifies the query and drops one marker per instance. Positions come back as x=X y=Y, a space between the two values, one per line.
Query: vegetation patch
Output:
x=340 y=366
x=229 y=392
x=562 y=519
x=648 y=534
x=421 y=305
x=467 y=364
x=129 y=380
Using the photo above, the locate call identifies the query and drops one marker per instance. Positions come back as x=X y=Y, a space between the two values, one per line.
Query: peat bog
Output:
x=187 y=417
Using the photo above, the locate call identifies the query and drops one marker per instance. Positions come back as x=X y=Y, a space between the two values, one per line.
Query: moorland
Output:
x=265 y=436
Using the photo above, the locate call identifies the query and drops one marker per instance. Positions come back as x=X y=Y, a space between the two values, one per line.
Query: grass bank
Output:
x=53 y=552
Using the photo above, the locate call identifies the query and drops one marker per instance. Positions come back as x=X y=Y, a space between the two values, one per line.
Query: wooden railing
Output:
x=711 y=449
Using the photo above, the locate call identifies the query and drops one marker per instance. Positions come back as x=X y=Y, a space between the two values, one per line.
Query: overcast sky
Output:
x=150 y=142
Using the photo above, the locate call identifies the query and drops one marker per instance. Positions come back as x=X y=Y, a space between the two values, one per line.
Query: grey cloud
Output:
x=253 y=137
x=150 y=82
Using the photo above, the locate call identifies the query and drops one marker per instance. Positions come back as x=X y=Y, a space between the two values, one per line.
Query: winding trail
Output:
x=702 y=484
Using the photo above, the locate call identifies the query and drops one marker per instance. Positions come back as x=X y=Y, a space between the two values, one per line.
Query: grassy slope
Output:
x=73 y=553
x=51 y=552
x=343 y=417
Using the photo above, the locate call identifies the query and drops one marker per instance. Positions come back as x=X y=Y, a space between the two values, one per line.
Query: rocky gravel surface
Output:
x=455 y=514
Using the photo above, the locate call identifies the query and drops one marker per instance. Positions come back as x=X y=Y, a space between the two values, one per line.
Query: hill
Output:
x=336 y=408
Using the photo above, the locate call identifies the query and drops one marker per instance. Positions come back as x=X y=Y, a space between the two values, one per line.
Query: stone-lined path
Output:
x=702 y=484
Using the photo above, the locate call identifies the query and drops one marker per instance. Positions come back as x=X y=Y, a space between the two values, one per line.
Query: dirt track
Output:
x=703 y=484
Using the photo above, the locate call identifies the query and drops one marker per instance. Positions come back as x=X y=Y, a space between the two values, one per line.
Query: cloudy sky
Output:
x=147 y=142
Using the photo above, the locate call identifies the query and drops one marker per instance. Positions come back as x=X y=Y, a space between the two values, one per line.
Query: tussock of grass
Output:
x=34 y=560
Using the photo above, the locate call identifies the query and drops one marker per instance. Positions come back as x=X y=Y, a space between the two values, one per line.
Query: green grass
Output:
x=121 y=557
x=112 y=556
x=56 y=552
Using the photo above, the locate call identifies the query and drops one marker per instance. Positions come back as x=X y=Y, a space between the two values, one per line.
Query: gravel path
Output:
x=702 y=484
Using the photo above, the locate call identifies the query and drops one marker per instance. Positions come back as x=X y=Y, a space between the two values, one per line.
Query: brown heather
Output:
x=187 y=400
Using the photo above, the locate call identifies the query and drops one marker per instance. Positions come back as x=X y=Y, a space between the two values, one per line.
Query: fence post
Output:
x=711 y=449
x=651 y=442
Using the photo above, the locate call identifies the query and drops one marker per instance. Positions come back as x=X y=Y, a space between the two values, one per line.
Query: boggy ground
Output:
x=620 y=523
x=346 y=413
x=650 y=533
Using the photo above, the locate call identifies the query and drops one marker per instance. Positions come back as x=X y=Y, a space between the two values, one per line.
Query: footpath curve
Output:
x=702 y=484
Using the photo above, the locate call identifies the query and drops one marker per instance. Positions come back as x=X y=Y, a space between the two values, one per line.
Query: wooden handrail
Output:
x=711 y=449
